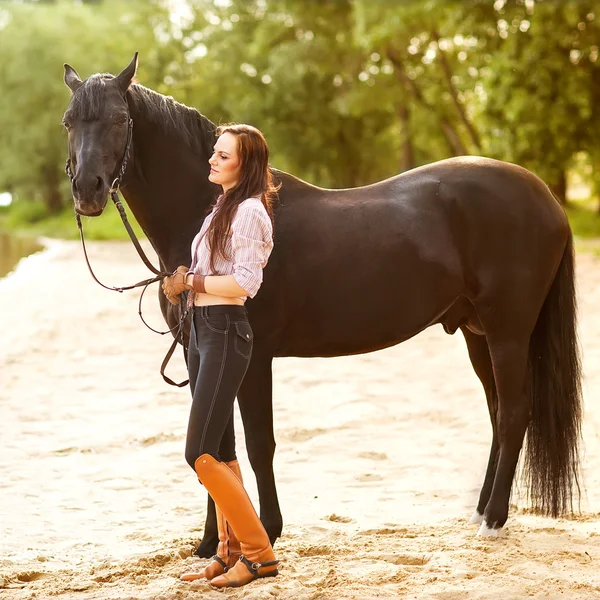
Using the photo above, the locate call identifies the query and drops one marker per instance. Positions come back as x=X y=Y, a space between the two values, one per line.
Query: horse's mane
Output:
x=174 y=118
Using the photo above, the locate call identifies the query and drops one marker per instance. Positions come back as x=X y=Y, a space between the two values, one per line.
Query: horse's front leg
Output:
x=255 y=399
x=210 y=538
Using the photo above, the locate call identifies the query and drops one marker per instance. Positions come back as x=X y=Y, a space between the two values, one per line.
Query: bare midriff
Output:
x=212 y=300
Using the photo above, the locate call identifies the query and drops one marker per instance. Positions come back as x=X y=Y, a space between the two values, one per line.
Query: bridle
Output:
x=114 y=189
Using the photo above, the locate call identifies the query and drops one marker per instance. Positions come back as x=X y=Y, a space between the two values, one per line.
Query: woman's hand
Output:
x=174 y=284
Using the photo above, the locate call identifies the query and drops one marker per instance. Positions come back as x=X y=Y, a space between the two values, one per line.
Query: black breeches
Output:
x=220 y=348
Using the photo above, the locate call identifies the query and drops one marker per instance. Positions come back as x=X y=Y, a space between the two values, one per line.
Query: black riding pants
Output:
x=218 y=356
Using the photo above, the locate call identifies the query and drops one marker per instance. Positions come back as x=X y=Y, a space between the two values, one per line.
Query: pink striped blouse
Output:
x=248 y=247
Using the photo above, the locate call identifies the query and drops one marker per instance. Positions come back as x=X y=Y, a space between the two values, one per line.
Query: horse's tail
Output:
x=552 y=449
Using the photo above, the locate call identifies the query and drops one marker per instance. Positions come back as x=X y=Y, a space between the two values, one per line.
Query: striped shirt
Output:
x=247 y=248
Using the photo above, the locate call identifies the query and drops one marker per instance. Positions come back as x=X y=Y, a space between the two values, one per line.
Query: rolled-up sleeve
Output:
x=252 y=242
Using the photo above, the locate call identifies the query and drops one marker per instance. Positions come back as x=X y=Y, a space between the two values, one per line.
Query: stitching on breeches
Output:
x=214 y=399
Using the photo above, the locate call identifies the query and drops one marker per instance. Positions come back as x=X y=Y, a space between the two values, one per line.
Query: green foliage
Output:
x=538 y=109
x=347 y=91
x=22 y=219
x=35 y=41
x=584 y=220
x=283 y=69
x=25 y=213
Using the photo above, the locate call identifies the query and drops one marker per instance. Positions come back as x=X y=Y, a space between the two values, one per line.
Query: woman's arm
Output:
x=218 y=285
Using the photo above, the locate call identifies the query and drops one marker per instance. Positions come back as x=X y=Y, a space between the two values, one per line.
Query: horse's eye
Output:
x=66 y=125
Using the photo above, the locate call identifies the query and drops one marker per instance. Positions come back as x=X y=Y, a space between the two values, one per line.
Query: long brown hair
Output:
x=256 y=181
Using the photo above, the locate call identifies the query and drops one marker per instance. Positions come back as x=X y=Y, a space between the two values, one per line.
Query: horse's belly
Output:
x=373 y=293
x=348 y=332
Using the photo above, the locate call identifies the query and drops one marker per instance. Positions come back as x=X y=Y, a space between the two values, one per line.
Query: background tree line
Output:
x=348 y=92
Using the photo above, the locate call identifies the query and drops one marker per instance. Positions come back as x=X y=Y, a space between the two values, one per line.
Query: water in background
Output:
x=13 y=249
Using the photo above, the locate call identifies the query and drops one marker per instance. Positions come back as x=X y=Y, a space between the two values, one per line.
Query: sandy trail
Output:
x=379 y=461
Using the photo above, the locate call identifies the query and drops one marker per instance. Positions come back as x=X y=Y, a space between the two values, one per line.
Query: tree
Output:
x=426 y=73
x=538 y=100
x=35 y=41
x=283 y=66
x=348 y=92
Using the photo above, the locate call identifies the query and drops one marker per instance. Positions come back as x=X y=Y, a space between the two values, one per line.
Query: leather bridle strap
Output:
x=114 y=189
x=144 y=282
x=170 y=351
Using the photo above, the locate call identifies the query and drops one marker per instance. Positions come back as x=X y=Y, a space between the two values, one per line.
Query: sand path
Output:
x=379 y=461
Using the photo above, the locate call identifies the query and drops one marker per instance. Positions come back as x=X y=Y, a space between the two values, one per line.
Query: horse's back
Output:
x=463 y=181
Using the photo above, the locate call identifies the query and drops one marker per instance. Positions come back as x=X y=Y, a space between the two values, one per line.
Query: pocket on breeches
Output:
x=243 y=340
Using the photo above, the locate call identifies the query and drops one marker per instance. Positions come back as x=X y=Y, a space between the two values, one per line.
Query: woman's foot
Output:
x=245 y=570
x=217 y=567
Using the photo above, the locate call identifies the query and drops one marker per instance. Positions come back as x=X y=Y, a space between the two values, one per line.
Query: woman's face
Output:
x=225 y=162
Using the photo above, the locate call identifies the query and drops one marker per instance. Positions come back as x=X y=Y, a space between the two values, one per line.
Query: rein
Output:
x=114 y=189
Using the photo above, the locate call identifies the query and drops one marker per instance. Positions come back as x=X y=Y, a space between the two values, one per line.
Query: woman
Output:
x=228 y=256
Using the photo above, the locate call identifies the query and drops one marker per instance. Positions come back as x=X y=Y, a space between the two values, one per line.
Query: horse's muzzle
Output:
x=90 y=209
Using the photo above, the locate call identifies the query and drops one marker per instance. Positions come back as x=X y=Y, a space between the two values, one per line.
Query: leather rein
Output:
x=159 y=275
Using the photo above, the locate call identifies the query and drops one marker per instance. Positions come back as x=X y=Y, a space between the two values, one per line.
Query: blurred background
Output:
x=380 y=457
x=348 y=92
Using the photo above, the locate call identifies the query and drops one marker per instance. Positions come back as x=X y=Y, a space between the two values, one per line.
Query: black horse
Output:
x=469 y=243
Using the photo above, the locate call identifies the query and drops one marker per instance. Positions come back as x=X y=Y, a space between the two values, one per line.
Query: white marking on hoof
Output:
x=485 y=531
x=476 y=519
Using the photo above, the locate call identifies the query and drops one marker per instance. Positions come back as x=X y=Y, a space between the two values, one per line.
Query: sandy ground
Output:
x=379 y=460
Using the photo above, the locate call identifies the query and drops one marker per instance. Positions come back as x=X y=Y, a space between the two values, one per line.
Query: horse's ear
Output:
x=126 y=75
x=71 y=78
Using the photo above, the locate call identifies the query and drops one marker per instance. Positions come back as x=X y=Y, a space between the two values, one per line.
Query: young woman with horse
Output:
x=228 y=256
x=470 y=243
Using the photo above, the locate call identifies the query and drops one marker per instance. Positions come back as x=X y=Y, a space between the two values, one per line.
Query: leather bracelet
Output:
x=198 y=283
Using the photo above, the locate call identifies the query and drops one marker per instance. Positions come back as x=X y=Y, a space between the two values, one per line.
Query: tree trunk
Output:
x=559 y=187
x=52 y=196
x=446 y=69
x=452 y=137
x=450 y=133
x=407 y=158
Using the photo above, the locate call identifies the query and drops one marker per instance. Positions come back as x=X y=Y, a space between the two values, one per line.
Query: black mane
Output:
x=174 y=119
x=87 y=102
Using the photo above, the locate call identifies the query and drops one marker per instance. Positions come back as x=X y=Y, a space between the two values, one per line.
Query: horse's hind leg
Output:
x=482 y=364
x=509 y=355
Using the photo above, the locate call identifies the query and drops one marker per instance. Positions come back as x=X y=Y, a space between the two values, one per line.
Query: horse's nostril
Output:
x=99 y=184
x=75 y=186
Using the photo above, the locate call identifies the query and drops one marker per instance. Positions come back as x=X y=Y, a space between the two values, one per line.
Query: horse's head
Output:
x=97 y=120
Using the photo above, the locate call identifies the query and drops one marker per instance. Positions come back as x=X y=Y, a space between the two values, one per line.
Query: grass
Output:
x=585 y=223
x=584 y=219
x=30 y=222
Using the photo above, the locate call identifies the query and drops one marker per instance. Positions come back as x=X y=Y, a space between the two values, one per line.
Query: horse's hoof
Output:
x=206 y=549
x=476 y=519
x=485 y=531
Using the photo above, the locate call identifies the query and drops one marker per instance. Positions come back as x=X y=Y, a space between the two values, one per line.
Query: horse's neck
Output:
x=167 y=188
